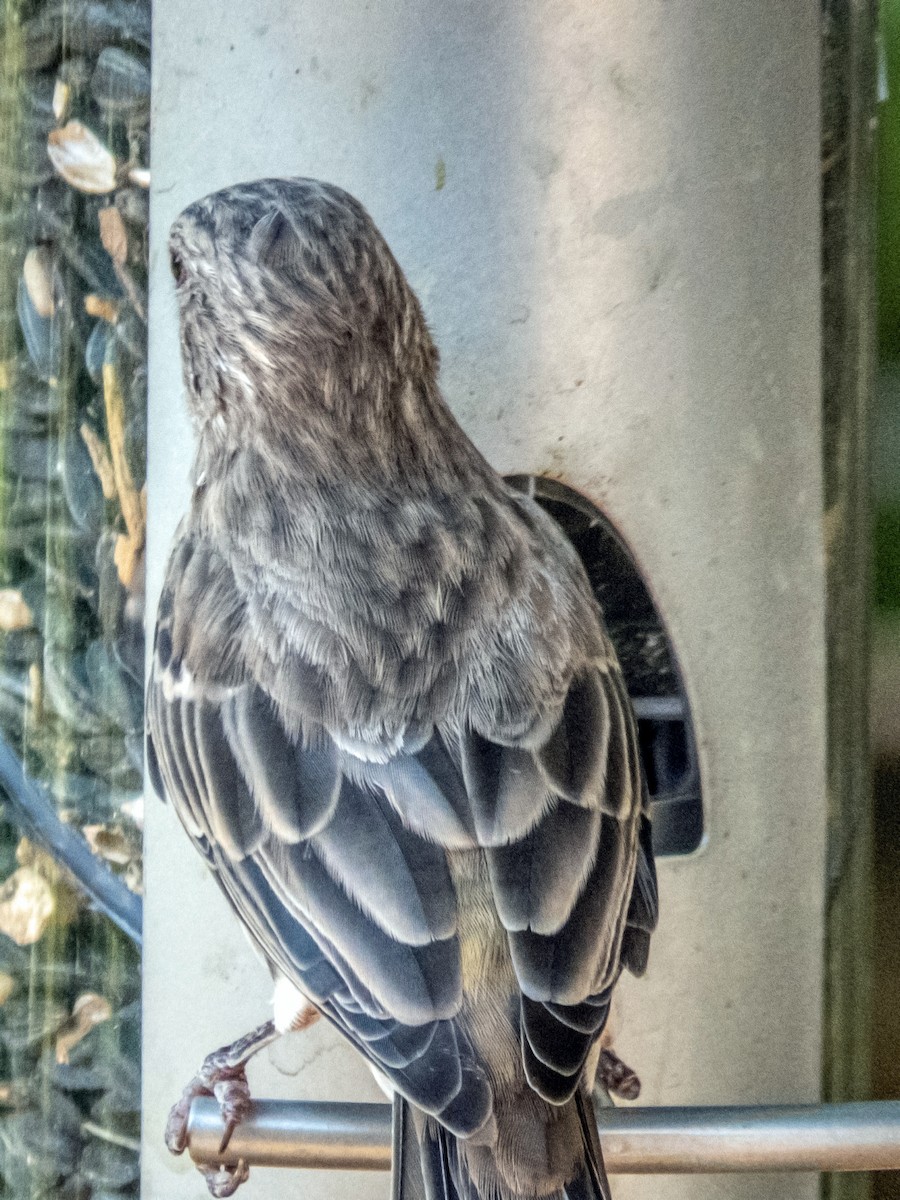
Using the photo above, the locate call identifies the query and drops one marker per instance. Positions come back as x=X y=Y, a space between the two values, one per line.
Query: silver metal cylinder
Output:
x=611 y=215
x=636 y=1141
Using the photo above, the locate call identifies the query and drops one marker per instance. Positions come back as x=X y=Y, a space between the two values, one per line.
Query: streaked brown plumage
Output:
x=384 y=703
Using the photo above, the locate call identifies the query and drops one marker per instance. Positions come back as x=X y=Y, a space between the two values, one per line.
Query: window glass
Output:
x=74 y=144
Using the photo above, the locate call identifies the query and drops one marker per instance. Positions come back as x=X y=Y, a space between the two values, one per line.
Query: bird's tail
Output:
x=428 y=1166
x=592 y=1183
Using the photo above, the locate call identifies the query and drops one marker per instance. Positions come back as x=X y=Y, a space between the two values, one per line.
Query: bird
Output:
x=385 y=708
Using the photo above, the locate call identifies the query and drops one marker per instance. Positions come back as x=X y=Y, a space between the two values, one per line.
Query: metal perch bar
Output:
x=636 y=1141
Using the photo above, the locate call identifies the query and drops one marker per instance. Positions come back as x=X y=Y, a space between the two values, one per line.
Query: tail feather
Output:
x=407 y=1182
x=592 y=1183
x=425 y=1162
x=427 y=1165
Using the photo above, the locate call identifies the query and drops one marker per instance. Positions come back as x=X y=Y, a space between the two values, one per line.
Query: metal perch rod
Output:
x=662 y=1141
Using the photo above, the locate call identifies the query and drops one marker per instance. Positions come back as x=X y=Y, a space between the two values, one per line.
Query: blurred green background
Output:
x=885 y=712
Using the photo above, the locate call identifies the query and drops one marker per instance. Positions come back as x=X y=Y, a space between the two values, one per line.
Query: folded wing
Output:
x=338 y=865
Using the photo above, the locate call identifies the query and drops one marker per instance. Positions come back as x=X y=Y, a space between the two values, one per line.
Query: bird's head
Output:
x=293 y=309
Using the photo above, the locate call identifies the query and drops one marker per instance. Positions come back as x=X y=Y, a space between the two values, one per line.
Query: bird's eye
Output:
x=176 y=262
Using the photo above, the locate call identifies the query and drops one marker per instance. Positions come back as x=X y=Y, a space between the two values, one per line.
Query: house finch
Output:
x=386 y=709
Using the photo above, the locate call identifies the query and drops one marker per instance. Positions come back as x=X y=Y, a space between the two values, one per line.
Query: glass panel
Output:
x=74 y=142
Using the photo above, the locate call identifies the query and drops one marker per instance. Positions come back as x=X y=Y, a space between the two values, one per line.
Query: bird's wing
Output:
x=576 y=892
x=338 y=866
x=352 y=906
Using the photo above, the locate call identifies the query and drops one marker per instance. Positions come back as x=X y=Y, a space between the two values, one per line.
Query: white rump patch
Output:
x=288 y=1004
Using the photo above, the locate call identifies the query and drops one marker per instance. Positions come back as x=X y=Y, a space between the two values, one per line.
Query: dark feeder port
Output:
x=665 y=727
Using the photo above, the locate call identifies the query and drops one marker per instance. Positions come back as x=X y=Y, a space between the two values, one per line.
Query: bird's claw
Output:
x=227 y=1084
x=617 y=1077
x=226 y=1080
x=177 y=1123
x=224 y=1181
x=234 y=1099
x=223 y=1076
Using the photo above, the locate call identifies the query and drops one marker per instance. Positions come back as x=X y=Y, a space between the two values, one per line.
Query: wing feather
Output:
x=401 y=881
x=295 y=788
x=538 y=878
x=582 y=958
x=232 y=816
x=427 y=792
x=178 y=770
x=414 y=983
x=574 y=757
x=507 y=793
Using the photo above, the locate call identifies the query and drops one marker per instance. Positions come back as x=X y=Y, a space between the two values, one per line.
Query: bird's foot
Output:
x=617 y=1077
x=224 y=1181
x=222 y=1075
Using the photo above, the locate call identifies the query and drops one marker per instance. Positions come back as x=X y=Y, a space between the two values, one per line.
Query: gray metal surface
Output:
x=355 y=1137
x=636 y=1141
x=610 y=212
